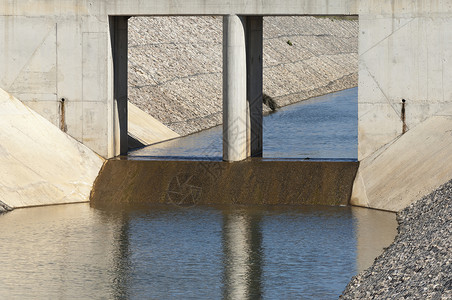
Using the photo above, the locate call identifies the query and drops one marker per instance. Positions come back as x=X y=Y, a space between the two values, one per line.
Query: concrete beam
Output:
x=187 y=7
x=234 y=89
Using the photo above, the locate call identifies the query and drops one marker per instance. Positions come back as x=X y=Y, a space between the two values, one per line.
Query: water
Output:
x=322 y=128
x=205 y=252
x=78 y=252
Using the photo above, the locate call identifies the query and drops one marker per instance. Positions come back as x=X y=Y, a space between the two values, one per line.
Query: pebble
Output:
x=418 y=265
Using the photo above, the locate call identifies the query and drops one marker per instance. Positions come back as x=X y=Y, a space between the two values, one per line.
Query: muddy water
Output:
x=204 y=252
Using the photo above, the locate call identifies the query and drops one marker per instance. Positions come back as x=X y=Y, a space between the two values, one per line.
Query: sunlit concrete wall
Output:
x=405 y=50
x=405 y=53
x=57 y=57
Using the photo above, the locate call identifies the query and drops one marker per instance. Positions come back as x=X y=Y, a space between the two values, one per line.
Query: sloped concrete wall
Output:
x=40 y=164
x=145 y=129
x=411 y=167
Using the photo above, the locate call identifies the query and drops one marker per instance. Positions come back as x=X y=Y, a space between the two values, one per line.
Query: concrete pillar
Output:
x=234 y=89
x=119 y=43
x=254 y=37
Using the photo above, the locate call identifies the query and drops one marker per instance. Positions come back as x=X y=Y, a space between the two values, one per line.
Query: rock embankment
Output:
x=175 y=64
x=418 y=265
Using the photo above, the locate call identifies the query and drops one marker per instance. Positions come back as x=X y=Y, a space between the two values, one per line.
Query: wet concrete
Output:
x=250 y=182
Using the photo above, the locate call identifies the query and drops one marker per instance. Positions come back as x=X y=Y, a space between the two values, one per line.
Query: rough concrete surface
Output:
x=40 y=164
x=175 y=64
x=409 y=168
x=418 y=265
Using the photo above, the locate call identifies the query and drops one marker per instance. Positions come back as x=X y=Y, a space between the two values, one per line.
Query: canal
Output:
x=204 y=252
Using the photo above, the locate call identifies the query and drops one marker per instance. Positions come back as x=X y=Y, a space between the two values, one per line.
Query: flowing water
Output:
x=325 y=127
x=203 y=252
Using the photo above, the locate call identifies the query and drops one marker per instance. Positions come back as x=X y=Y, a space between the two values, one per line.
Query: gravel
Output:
x=175 y=64
x=418 y=265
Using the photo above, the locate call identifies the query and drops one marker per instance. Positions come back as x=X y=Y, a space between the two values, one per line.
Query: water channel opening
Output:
x=175 y=74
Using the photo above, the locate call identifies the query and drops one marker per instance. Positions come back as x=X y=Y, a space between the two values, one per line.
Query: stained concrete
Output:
x=40 y=164
x=405 y=52
x=252 y=182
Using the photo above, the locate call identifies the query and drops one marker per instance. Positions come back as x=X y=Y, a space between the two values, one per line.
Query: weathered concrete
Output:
x=411 y=167
x=40 y=164
x=145 y=129
x=405 y=58
x=187 y=183
x=405 y=52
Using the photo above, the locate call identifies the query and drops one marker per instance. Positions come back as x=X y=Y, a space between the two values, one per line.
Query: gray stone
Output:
x=418 y=265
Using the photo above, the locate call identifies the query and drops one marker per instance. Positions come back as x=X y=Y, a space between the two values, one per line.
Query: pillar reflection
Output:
x=242 y=260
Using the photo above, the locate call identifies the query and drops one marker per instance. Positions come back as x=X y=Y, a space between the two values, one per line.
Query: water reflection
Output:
x=242 y=246
x=77 y=252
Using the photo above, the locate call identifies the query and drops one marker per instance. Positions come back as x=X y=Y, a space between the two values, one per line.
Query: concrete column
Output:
x=254 y=37
x=234 y=89
x=119 y=42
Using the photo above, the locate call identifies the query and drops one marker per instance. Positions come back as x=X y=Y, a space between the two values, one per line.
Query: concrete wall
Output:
x=405 y=50
x=188 y=183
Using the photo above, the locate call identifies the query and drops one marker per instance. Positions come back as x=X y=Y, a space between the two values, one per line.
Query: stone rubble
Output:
x=418 y=265
x=175 y=64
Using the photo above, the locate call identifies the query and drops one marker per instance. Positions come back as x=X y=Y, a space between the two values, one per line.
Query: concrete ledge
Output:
x=408 y=169
x=254 y=181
